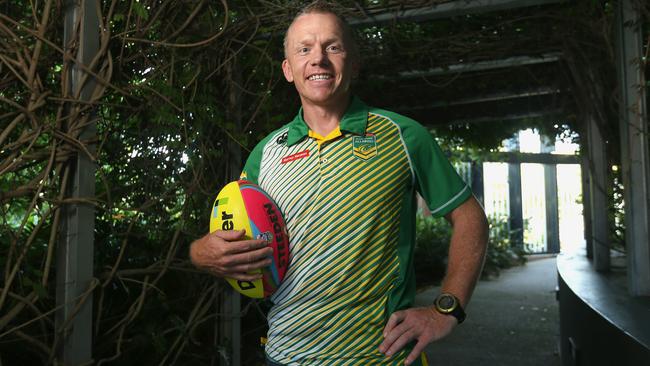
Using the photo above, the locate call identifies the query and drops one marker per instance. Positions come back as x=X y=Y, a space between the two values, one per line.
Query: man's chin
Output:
x=324 y=98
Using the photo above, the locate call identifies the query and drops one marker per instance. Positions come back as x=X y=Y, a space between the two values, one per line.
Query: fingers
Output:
x=229 y=235
x=239 y=265
x=416 y=324
x=393 y=321
x=396 y=339
x=227 y=253
x=251 y=260
x=246 y=246
x=237 y=242
x=415 y=353
x=241 y=271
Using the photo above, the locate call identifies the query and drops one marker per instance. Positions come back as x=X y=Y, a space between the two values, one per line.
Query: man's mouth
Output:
x=319 y=77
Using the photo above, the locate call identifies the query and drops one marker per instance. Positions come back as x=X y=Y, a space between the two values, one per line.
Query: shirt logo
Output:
x=364 y=147
x=293 y=157
x=282 y=139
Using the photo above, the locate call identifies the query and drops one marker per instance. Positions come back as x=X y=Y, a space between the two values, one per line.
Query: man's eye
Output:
x=303 y=50
x=334 y=48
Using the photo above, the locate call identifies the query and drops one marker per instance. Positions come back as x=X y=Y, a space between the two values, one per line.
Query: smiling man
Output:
x=345 y=176
x=321 y=59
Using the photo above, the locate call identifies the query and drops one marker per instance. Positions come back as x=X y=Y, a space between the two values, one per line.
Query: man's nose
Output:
x=320 y=56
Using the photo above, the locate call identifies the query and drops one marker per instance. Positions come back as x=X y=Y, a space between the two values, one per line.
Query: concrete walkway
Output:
x=512 y=320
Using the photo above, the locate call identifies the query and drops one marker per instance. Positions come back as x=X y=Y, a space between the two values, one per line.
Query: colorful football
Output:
x=244 y=205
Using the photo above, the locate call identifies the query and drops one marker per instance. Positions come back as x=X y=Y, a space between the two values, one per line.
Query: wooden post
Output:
x=516 y=220
x=477 y=181
x=230 y=324
x=599 y=198
x=74 y=254
x=586 y=199
x=634 y=146
x=551 y=202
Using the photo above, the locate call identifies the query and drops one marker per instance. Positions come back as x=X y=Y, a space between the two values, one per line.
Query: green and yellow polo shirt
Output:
x=349 y=203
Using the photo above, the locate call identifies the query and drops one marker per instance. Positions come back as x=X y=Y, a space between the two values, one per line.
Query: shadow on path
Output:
x=511 y=320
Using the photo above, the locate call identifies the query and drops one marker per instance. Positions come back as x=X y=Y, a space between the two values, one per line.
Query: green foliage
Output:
x=502 y=251
x=173 y=126
x=432 y=246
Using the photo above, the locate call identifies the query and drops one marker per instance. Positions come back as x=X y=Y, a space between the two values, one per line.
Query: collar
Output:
x=354 y=120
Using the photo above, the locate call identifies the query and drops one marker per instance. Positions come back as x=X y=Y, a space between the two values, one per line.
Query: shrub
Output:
x=432 y=245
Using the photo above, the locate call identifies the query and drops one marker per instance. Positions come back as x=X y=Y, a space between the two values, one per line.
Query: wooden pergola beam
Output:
x=532 y=158
x=493 y=97
x=501 y=118
x=447 y=10
x=514 y=61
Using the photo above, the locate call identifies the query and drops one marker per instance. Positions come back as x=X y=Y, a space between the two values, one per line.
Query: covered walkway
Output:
x=513 y=320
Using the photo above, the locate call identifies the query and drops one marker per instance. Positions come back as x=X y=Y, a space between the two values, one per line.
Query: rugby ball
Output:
x=244 y=205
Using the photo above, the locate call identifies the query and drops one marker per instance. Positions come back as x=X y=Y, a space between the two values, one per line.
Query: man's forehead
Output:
x=303 y=38
x=306 y=27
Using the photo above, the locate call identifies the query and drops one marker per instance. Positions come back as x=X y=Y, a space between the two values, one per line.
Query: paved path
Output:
x=513 y=320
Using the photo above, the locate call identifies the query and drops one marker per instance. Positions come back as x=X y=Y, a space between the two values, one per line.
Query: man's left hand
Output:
x=424 y=325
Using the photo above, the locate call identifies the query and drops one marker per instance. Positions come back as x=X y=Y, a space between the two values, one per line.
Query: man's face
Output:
x=318 y=59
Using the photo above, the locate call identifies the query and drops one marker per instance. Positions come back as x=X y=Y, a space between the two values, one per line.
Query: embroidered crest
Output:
x=364 y=147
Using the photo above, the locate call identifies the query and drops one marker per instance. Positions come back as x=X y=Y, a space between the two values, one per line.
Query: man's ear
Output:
x=287 y=71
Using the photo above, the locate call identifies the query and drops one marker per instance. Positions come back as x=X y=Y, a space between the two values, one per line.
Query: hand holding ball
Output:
x=244 y=205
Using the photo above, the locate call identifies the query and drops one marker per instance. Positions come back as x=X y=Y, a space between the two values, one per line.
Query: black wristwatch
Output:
x=449 y=304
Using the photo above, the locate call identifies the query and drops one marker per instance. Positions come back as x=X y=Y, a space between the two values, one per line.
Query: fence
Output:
x=497 y=204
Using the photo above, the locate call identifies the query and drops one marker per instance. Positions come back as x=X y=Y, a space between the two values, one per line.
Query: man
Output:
x=345 y=176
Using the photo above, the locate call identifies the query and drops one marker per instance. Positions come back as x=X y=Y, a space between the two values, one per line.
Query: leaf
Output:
x=140 y=10
x=39 y=289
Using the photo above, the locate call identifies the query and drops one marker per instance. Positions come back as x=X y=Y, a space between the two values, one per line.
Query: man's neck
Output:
x=324 y=119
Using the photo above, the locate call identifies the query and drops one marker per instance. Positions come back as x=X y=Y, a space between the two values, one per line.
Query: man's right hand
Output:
x=228 y=254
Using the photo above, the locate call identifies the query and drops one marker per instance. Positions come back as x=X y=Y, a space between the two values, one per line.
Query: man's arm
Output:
x=466 y=250
x=227 y=254
x=466 y=256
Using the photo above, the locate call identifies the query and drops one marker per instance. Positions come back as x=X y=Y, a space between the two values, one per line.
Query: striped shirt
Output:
x=349 y=203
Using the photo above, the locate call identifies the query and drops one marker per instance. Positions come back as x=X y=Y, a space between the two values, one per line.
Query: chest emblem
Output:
x=364 y=147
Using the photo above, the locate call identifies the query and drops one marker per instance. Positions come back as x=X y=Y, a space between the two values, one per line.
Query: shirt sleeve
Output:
x=253 y=164
x=435 y=178
x=251 y=170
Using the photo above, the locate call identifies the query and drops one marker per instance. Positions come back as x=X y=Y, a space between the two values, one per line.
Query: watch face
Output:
x=446 y=303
